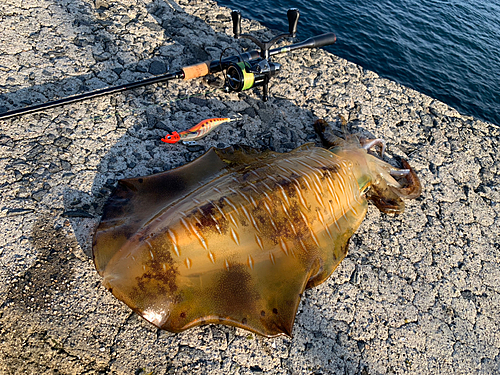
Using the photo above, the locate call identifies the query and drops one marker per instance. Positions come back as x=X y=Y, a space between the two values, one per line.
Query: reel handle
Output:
x=293 y=17
x=236 y=17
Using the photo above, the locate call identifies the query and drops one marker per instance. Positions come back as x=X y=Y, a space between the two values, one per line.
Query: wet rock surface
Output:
x=417 y=293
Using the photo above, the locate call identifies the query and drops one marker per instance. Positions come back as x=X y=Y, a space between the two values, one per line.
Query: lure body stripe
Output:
x=201 y=129
x=198 y=131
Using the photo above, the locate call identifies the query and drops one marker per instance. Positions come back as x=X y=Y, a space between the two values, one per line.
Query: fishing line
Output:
x=224 y=70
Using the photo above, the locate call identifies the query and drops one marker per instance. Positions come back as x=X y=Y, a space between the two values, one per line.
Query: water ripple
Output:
x=447 y=49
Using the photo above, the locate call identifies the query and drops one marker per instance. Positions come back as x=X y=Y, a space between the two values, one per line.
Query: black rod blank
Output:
x=89 y=95
x=214 y=67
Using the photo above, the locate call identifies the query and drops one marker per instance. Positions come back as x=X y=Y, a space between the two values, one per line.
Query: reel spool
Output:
x=247 y=74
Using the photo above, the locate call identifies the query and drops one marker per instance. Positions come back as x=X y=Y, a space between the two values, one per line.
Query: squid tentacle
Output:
x=368 y=144
x=412 y=189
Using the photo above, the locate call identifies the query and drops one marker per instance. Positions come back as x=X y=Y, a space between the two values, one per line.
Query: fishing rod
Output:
x=243 y=71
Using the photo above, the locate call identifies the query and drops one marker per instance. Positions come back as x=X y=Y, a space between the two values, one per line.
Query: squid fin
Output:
x=239 y=155
x=245 y=300
x=135 y=201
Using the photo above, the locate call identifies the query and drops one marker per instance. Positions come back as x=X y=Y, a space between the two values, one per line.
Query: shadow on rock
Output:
x=51 y=273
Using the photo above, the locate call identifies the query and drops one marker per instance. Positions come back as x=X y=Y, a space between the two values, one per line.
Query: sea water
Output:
x=449 y=50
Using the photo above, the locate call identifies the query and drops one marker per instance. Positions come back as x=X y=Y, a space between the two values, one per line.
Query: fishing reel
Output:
x=247 y=74
x=243 y=71
x=244 y=75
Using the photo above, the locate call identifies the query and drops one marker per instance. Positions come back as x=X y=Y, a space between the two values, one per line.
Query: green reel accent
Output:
x=248 y=78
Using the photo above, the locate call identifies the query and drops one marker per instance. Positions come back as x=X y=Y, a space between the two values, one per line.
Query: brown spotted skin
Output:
x=234 y=237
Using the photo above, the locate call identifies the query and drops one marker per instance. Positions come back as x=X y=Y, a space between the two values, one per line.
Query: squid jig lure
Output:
x=198 y=131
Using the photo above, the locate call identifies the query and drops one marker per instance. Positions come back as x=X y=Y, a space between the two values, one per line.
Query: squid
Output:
x=236 y=236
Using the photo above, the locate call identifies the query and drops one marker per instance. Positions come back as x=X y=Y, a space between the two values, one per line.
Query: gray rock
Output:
x=417 y=294
x=157 y=67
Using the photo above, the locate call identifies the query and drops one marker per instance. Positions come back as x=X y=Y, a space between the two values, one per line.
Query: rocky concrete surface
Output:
x=417 y=294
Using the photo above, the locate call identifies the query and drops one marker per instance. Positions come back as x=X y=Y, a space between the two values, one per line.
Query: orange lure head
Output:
x=172 y=138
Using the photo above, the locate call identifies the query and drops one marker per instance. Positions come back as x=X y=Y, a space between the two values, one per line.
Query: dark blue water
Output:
x=449 y=50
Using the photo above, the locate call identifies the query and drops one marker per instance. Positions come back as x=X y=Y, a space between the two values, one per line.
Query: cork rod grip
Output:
x=195 y=71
